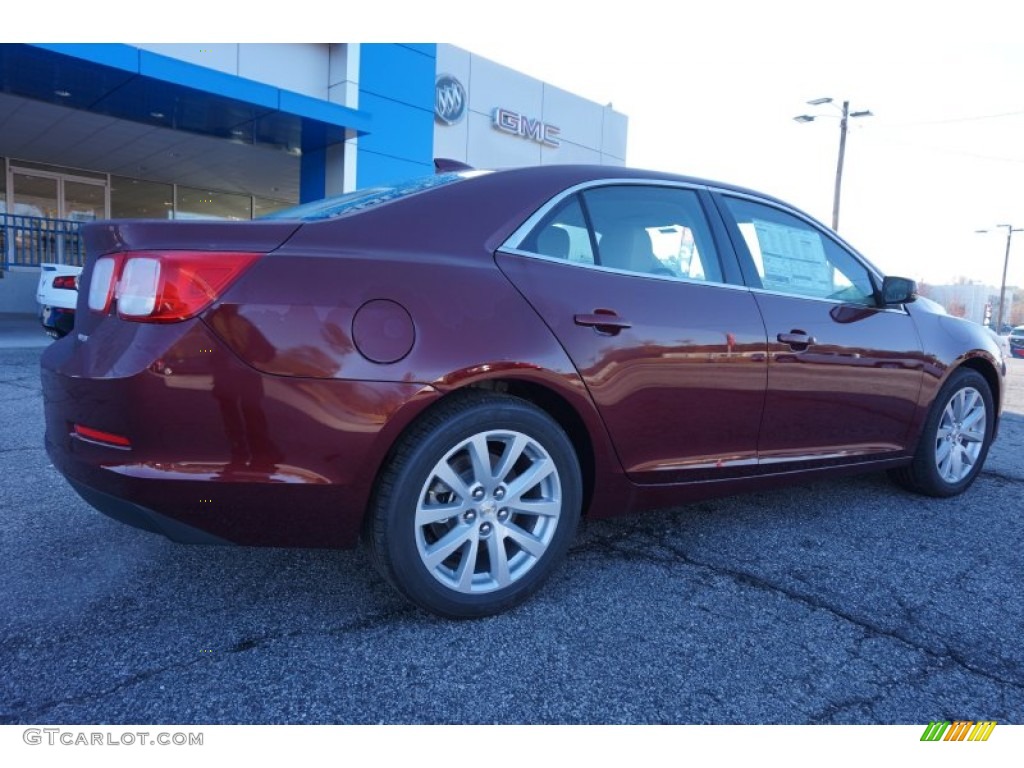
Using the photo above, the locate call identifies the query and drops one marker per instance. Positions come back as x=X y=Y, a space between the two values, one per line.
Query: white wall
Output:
x=312 y=69
x=589 y=132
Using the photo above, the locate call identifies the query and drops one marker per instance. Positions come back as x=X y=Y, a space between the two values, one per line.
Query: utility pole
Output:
x=843 y=124
x=1006 y=263
x=839 y=165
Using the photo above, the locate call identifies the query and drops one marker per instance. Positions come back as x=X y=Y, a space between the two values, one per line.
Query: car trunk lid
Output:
x=111 y=238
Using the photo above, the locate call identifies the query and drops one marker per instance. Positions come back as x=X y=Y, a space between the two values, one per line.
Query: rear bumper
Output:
x=218 y=452
x=57 y=320
x=140 y=517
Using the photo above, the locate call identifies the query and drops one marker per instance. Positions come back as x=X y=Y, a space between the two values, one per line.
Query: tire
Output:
x=477 y=506
x=955 y=439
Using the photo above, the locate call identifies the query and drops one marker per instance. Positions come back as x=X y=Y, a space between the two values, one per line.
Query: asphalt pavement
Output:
x=845 y=601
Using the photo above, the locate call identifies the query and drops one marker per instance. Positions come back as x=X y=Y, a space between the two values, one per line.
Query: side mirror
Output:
x=898 y=290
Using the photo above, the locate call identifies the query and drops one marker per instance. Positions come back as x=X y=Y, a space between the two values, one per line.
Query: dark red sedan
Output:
x=457 y=368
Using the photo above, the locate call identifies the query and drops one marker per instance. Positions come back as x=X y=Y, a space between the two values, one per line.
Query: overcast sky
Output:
x=711 y=88
x=711 y=91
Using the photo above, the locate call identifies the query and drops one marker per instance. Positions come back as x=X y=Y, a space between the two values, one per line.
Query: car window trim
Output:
x=627 y=272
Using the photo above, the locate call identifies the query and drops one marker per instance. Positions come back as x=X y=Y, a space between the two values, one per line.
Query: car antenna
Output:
x=446 y=164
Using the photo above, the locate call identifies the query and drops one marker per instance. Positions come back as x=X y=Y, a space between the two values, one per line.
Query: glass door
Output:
x=35 y=195
x=35 y=202
x=84 y=200
x=47 y=208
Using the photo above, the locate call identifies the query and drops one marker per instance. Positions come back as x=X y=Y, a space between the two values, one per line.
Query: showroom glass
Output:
x=652 y=230
x=84 y=201
x=34 y=195
x=792 y=256
x=210 y=204
x=140 y=199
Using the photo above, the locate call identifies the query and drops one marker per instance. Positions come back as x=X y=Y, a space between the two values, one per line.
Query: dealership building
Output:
x=233 y=131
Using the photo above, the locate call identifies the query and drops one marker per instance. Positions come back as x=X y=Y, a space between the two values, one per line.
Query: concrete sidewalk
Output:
x=22 y=331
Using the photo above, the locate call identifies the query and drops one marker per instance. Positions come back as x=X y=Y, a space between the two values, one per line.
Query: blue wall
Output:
x=396 y=86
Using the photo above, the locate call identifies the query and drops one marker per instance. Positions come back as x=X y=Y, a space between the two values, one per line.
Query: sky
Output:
x=710 y=89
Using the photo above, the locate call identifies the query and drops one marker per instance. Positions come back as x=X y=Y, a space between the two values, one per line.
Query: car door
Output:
x=629 y=279
x=844 y=373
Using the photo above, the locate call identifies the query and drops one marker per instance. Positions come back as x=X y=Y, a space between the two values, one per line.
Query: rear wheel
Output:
x=955 y=439
x=478 y=506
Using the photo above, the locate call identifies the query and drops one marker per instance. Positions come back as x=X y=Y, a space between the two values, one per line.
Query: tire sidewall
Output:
x=407 y=571
x=934 y=483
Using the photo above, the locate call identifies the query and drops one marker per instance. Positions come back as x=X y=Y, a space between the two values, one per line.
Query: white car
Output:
x=57 y=296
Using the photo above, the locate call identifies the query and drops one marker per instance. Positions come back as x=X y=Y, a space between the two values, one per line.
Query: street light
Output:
x=1010 y=229
x=846 y=115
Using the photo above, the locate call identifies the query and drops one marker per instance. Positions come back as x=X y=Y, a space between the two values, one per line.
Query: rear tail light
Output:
x=101 y=285
x=69 y=282
x=164 y=286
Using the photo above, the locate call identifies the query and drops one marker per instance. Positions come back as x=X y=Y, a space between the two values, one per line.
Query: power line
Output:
x=972 y=119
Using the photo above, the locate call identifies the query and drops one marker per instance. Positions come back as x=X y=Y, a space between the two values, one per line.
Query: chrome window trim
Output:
x=615 y=271
x=513 y=241
x=900 y=309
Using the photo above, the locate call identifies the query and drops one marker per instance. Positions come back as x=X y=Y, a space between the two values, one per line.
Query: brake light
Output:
x=164 y=286
x=69 y=282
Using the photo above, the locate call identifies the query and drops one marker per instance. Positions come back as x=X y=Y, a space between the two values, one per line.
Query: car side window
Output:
x=652 y=230
x=792 y=256
x=562 y=235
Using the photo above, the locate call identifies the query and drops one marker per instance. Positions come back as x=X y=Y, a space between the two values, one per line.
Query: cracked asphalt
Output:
x=844 y=601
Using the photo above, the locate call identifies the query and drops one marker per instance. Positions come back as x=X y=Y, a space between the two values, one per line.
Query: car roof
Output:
x=570 y=174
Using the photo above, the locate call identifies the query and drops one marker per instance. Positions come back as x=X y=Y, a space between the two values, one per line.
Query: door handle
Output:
x=603 y=321
x=798 y=340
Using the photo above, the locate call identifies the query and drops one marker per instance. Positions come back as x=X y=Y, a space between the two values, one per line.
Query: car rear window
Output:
x=361 y=199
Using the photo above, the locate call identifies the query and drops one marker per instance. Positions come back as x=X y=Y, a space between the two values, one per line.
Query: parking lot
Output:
x=833 y=602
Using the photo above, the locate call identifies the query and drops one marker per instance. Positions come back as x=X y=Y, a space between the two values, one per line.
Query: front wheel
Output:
x=955 y=439
x=477 y=507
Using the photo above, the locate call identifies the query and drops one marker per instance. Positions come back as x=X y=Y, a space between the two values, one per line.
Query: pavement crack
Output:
x=22 y=448
x=666 y=553
x=39 y=713
x=1013 y=479
x=830 y=714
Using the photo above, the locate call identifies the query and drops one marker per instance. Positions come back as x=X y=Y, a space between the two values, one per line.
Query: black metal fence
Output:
x=28 y=241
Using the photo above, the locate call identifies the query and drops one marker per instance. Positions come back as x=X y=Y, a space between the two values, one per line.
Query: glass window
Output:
x=84 y=201
x=62 y=170
x=209 y=204
x=353 y=202
x=138 y=199
x=34 y=196
x=562 y=235
x=792 y=256
x=652 y=230
x=261 y=206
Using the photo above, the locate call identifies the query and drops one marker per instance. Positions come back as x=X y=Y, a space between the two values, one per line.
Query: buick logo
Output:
x=449 y=100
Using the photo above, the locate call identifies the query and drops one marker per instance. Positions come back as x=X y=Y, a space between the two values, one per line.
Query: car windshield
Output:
x=1017 y=333
x=361 y=199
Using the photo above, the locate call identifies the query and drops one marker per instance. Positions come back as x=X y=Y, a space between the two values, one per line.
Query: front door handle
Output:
x=603 y=321
x=797 y=340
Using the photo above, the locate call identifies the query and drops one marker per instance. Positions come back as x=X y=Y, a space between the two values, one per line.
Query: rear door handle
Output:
x=603 y=321
x=798 y=340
